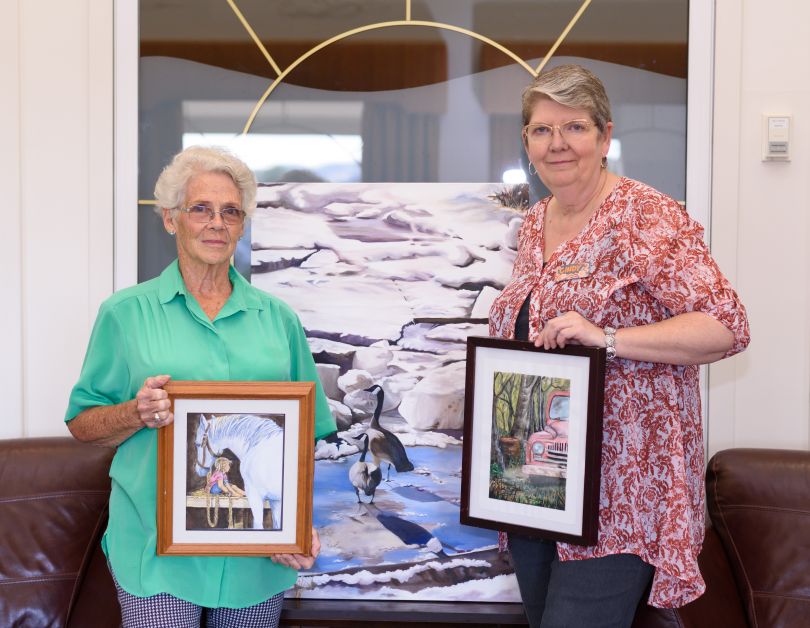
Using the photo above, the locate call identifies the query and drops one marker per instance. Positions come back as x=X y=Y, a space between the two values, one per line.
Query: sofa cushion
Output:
x=759 y=502
x=718 y=607
x=53 y=498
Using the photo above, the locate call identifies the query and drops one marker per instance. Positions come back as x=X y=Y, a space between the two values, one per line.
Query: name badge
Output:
x=573 y=271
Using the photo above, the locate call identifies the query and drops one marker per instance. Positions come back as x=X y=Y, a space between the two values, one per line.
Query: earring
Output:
x=532 y=169
x=604 y=162
x=171 y=233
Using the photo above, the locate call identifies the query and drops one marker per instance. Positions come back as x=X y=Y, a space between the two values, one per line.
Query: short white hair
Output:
x=170 y=189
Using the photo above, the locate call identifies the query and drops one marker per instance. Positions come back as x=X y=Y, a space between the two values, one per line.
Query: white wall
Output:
x=11 y=253
x=56 y=173
x=56 y=263
x=760 y=225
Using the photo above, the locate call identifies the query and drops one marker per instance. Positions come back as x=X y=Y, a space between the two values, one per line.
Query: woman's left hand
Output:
x=570 y=328
x=300 y=561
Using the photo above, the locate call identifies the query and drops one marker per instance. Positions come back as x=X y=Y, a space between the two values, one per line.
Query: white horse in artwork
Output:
x=259 y=445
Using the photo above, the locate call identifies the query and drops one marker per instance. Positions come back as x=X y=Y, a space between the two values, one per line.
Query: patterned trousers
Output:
x=166 y=611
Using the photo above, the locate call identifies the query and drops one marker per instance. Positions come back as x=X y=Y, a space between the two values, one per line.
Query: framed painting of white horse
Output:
x=235 y=469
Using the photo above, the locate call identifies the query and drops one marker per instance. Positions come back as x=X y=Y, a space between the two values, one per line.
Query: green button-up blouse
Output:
x=158 y=327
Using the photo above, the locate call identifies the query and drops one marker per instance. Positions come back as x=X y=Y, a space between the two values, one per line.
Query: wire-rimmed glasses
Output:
x=203 y=214
x=570 y=131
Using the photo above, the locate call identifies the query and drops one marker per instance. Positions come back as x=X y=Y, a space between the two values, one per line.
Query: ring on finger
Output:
x=157 y=417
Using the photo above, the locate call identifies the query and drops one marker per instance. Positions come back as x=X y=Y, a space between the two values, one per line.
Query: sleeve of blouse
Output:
x=104 y=379
x=678 y=270
x=304 y=370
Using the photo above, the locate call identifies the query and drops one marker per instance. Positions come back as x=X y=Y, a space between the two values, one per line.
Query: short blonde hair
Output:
x=221 y=463
x=170 y=189
x=573 y=86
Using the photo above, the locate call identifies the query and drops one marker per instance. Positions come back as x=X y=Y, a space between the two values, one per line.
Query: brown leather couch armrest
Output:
x=53 y=497
x=720 y=606
x=96 y=602
x=759 y=502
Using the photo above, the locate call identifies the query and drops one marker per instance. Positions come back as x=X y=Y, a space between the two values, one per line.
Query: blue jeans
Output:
x=593 y=593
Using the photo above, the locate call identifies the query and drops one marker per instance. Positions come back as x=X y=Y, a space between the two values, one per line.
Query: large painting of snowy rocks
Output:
x=389 y=280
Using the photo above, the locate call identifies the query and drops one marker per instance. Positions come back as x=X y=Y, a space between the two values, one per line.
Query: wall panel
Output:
x=11 y=381
x=56 y=164
x=760 y=227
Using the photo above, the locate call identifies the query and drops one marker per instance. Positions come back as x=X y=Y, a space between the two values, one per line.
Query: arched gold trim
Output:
x=562 y=37
x=254 y=36
x=370 y=27
x=406 y=22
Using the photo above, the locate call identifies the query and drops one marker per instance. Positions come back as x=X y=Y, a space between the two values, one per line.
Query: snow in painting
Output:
x=389 y=280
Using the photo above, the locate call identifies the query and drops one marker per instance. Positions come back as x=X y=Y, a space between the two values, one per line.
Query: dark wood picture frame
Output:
x=545 y=484
x=281 y=416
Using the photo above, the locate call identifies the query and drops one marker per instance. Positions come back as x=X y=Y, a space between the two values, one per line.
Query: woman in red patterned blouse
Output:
x=610 y=262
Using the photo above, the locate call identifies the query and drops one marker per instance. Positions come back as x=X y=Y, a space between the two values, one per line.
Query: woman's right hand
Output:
x=112 y=425
x=152 y=402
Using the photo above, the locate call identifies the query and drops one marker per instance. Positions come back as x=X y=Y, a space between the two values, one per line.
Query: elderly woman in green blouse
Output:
x=198 y=320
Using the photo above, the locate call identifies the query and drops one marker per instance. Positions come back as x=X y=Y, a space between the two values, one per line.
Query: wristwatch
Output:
x=610 y=342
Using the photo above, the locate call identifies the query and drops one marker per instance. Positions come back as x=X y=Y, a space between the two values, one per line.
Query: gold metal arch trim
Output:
x=281 y=74
x=562 y=36
x=370 y=27
x=254 y=36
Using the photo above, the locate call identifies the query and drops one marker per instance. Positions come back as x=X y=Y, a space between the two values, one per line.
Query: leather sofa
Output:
x=756 y=556
x=53 y=510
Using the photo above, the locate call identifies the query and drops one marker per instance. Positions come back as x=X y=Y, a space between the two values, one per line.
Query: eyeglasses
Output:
x=570 y=131
x=203 y=214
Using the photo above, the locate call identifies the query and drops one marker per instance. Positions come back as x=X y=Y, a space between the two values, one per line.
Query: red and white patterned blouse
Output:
x=646 y=261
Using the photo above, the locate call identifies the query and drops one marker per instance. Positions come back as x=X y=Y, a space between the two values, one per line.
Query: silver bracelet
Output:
x=610 y=342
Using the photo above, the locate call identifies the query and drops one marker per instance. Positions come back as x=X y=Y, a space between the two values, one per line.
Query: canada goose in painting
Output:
x=383 y=444
x=365 y=476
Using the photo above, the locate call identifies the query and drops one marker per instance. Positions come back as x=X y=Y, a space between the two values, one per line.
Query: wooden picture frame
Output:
x=532 y=439
x=236 y=453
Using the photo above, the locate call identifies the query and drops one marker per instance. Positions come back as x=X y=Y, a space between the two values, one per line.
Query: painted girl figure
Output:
x=217 y=480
